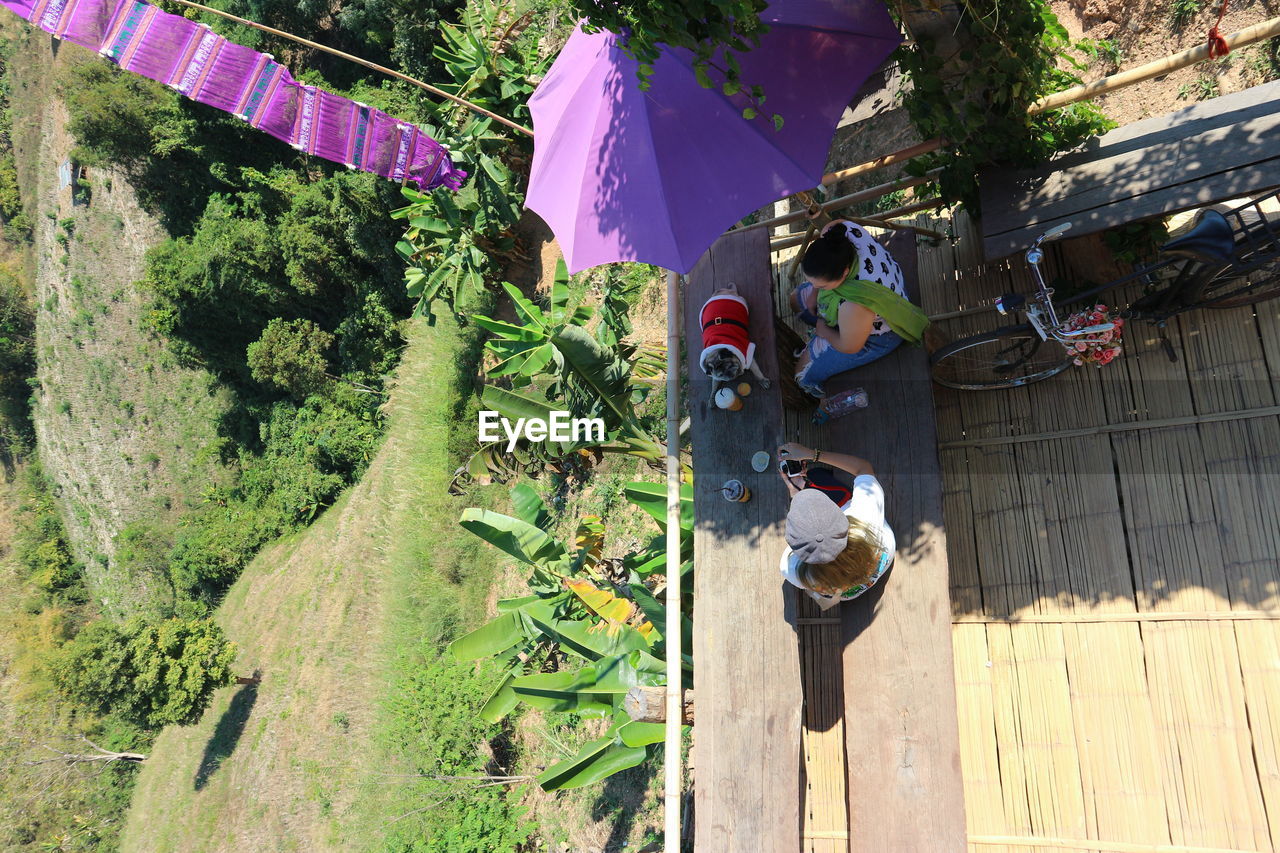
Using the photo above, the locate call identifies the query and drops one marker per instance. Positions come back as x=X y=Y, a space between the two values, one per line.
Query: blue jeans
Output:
x=825 y=360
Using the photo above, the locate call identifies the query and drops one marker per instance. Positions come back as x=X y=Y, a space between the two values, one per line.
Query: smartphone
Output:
x=791 y=467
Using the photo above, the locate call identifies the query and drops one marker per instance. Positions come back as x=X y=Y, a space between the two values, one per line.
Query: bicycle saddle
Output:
x=1210 y=240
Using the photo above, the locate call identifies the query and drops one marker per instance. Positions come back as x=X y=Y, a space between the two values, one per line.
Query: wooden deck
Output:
x=877 y=766
x=1113 y=537
x=891 y=683
x=747 y=670
x=1199 y=155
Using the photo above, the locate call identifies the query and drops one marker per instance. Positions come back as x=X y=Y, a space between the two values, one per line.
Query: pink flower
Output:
x=1082 y=347
x=1077 y=362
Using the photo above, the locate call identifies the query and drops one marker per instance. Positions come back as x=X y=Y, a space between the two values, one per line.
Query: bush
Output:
x=321 y=252
x=434 y=727
x=151 y=673
x=40 y=544
x=308 y=455
x=290 y=356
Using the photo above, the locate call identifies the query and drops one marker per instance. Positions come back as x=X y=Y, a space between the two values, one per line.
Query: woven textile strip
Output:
x=202 y=65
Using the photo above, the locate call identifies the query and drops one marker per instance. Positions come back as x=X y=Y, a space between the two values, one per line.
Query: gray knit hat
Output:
x=817 y=530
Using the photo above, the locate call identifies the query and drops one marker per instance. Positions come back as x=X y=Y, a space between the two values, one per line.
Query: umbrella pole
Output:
x=675 y=715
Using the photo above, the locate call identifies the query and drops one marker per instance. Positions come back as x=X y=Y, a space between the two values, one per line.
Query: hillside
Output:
x=127 y=436
x=322 y=615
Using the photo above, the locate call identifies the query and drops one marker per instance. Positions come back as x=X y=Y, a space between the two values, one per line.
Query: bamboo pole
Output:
x=1256 y=33
x=366 y=63
x=852 y=198
x=1107 y=429
x=671 y=800
x=926 y=147
x=1136 y=616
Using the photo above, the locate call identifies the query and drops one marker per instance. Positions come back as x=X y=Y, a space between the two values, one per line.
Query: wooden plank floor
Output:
x=1116 y=594
x=897 y=722
x=1195 y=156
x=747 y=663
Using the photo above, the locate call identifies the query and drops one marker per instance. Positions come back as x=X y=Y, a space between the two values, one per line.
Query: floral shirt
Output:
x=867 y=505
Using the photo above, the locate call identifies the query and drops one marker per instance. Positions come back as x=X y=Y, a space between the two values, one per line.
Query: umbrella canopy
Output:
x=625 y=175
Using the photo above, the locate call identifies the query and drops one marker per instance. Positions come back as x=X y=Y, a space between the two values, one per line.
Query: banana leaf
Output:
x=598 y=368
x=517 y=538
x=565 y=691
x=584 y=640
x=490 y=639
x=529 y=507
x=530 y=313
x=652 y=498
x=503 y=699
x=636 y=733
x=595 y=761
x=514 y=406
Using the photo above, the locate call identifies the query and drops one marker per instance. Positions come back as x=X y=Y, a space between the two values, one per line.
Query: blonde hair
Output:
x=856 y=564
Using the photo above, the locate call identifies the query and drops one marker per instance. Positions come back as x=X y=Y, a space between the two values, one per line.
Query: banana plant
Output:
x=589 y=377
x=604 y=638
x=451 y=237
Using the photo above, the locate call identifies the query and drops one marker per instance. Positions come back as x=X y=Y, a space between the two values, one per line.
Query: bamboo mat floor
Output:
x=1115 y=589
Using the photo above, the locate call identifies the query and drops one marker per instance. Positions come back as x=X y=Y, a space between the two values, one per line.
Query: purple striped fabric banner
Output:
x=205 y=67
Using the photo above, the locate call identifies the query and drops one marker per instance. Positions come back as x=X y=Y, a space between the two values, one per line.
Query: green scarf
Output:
x=902 y=316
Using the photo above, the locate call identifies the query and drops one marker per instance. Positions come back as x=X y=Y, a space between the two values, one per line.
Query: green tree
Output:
x=290 y=356
x=713 y=29
x=150 y=673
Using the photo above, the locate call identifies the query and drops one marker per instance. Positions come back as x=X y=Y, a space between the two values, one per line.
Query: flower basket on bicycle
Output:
x=1100 y=349
x=1228 y=260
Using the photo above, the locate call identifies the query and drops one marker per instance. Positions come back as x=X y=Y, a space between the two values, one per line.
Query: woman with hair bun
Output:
x=855 y=299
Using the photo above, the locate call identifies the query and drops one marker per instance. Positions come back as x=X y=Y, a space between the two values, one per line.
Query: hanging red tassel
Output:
x=1218 y=46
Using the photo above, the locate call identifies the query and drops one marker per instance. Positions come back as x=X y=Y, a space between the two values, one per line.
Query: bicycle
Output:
x=1226 y=261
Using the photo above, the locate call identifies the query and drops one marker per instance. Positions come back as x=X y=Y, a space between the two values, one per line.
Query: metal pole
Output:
x=675 y=715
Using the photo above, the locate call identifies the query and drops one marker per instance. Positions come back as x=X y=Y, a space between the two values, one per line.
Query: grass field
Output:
x=325 y=617
x=357 y=709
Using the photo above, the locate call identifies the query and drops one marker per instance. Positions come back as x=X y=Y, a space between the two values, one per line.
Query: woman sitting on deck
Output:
x=855 y=299
x=840 y=544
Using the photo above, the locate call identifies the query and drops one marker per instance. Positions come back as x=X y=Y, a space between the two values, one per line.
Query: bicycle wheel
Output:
x=1257 y=286
x=1005 y=358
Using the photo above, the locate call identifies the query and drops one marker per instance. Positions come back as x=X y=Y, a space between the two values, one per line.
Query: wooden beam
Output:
x=747 y=677
x=1089 y=845
x=1135 y=616
x=648 y=705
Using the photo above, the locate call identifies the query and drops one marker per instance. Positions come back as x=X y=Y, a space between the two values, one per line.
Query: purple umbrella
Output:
x=625 y=175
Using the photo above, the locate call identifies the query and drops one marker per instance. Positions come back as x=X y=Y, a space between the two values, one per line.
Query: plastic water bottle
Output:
x=839 y=405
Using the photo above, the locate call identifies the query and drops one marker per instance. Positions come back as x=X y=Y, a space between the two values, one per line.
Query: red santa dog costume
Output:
x=725 y=326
